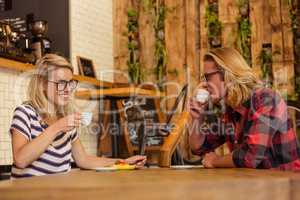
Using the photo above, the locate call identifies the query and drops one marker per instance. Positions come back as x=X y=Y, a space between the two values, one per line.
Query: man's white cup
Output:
x=202 y=95
x=86 y=118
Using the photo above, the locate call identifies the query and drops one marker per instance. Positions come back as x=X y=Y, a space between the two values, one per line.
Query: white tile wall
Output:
x=16 y=82
x=92 y=34
x=91 y=37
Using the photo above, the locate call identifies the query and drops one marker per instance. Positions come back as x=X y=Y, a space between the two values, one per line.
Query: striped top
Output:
x=56 y=158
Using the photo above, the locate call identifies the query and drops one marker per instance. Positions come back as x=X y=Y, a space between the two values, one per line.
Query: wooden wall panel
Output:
x=288 y=47
x=120 y=51
x=203 y=33
x=228 y=14
x=175 y=45
x=266 y=26
x=187 y=42
x=257 y=32
x=192 y=59
x=282 y=42
x=180 y=31
x=277 y=44
x=147 y=43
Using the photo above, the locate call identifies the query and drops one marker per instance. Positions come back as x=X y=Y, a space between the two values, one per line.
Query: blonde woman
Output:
x=43 y=130
x=258 y=131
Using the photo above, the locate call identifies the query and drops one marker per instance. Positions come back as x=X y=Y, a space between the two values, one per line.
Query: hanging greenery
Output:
x=293 y=14
x=133 y=63
x=158 y=10
x=212 y=23
x=244 y=30
x=265 y=58
x=160 y=45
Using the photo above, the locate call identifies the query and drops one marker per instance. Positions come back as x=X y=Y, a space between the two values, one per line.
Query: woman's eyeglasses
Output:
x=62 y=84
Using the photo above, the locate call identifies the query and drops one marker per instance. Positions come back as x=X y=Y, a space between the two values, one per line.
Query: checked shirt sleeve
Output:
x=211 y=142
x=267 y=115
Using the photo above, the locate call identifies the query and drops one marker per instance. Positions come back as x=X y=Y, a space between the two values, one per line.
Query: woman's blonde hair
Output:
x=240 y=80
x=36 y=88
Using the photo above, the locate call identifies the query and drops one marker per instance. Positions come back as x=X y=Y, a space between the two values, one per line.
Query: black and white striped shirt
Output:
x=56 y=158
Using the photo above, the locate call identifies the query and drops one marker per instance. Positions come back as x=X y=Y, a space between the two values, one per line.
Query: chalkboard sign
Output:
x=140 y=111
x=86 y=67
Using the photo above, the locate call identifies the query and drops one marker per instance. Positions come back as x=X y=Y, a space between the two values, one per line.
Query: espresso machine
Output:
x=14 y=44
x=40 y=43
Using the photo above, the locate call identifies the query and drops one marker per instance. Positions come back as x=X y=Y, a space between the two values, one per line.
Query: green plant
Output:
x=244 y=30
x=293 y=14
x=265 y=58
x=158 y=11
x=213 y=25
x=160 y=46
x=133 y=63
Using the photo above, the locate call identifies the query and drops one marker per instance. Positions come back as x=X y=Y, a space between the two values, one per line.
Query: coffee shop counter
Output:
x=157 y=184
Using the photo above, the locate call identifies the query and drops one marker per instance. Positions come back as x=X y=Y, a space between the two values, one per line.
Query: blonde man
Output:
x=43 y=130
x=261 y=136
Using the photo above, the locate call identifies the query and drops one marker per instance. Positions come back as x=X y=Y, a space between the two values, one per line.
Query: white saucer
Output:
x=186 y=166
x=105 y=169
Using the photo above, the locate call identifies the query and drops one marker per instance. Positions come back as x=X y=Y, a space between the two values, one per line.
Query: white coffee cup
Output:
x=86 y=118
x=202 y=95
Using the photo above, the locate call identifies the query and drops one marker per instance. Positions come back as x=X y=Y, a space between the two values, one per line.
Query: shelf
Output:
x=21 y=67
x=117 y=92
x=148 y=148
x=15 y=65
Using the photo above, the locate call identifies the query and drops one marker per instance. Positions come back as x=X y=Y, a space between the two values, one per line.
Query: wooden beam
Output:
x=288 y=47
x=228 y=14
x=128 y=91
x=147 y=42
x=120 y=39
x=176 y=49
x=192 y=59
x=277 y=45
x=257 y=32
x=203 y=33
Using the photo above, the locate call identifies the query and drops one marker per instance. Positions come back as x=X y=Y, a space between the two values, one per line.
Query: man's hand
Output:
x=210 y=159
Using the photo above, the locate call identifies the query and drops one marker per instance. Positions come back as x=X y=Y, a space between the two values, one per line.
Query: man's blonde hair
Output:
x=36 y=88
x=240 y=80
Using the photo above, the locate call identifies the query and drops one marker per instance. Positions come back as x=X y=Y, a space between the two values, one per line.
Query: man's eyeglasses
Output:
x=206 y=76
x=62 y=84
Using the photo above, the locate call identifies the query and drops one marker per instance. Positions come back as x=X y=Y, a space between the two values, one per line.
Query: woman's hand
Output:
x=139 y=161
x=68 y=123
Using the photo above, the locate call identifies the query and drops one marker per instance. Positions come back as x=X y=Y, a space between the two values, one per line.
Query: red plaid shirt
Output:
x=261 y=134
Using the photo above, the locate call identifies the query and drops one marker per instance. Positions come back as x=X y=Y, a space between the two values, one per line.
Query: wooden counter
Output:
x=158 y=184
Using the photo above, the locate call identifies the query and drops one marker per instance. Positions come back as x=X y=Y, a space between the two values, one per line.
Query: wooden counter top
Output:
x=158 y=184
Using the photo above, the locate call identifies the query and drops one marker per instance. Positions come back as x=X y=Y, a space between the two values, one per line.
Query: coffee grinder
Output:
x=40 y=42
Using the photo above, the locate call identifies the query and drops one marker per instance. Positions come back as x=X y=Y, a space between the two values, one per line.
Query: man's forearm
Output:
x=196 y=139
x=224 y=161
